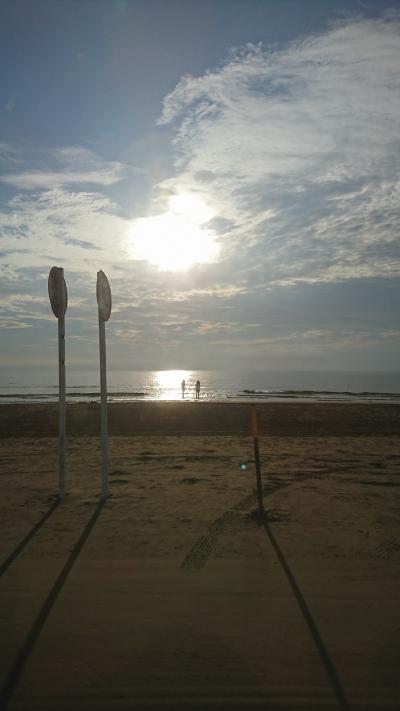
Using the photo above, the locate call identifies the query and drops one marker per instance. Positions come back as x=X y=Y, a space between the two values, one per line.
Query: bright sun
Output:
x=175 y=239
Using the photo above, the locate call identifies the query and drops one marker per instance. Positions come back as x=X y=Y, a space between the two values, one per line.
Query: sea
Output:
x=216 y=385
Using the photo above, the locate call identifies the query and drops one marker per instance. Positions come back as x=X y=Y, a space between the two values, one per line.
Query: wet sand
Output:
x=298 y=419
x=180 y=596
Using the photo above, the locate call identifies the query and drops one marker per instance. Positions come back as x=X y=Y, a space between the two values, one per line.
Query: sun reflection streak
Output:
x=167 y=384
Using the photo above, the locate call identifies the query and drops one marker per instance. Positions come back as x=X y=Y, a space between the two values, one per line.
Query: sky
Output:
x=232 y=166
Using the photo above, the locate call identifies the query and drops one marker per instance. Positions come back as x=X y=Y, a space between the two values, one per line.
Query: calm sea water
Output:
x=41 y=386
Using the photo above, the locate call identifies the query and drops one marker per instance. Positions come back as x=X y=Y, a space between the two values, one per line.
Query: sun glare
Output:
x=176 y=239
x=167 y=384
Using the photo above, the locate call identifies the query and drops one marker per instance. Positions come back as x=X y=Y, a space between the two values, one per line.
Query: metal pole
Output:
x=254 y=430
x=61 y=407
x=103 y=389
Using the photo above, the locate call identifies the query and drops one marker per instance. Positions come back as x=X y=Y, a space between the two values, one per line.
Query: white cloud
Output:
x=79 y=229
x=73 y=165
x=20 y=300
x=300 y=147
x=6 y=323
x=226 y=326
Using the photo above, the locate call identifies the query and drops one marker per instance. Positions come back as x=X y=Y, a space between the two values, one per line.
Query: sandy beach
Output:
x=174 y=593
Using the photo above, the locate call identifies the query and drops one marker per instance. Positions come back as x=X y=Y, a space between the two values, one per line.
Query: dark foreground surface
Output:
x=174 y=594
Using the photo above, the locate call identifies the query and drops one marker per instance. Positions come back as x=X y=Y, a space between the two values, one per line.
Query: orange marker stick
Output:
x=254 y=431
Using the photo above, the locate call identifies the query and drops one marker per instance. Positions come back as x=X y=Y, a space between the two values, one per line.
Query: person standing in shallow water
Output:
x=197 y=389
x=183 y=386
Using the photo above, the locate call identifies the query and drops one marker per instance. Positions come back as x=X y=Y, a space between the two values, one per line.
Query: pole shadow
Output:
x=341 y=698
x=25 y=652
x=20 y=547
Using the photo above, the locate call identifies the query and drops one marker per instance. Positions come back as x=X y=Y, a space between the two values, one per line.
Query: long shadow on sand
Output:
x=319 y=643
x=20 y=547
x=197 y=558
x=33 y=634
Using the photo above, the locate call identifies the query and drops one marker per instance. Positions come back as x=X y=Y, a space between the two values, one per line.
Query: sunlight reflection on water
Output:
x=166 y=384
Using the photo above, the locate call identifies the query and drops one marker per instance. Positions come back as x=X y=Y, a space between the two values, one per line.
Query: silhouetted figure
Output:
x=183 y=386
x=197 y=389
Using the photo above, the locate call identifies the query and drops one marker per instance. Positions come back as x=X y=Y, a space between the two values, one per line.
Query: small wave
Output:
x=321 y=394
x=69 y=395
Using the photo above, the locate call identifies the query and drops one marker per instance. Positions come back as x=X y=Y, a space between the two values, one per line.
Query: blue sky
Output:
x=233 y=167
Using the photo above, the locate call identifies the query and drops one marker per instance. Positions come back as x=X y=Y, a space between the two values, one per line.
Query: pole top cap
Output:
x=103 y=295
x=57 y=291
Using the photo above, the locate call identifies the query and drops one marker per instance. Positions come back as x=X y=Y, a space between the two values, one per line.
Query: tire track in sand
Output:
x=202 y=549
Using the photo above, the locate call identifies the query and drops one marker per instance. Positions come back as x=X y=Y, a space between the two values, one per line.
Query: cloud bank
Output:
x=299 y=147
x=72 y=165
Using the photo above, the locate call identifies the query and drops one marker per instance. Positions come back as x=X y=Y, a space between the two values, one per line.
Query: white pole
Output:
x=103 y=295
x=59 y=301
x=61 y=407
x=103 y=390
